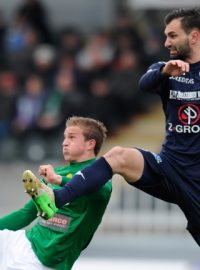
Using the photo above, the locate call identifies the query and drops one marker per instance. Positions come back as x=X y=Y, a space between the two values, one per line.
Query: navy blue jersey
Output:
x=181 y=104
x=174 y=174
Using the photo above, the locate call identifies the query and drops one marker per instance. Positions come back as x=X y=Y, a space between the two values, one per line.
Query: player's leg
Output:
x=17 y=252
x=41 y=194
x=128 y=162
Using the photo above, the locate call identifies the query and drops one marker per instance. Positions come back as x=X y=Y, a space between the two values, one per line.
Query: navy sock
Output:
x=90 y=179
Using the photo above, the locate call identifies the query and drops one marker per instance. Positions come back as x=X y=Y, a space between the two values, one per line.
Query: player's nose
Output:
x=167 y=43
x=65 y=142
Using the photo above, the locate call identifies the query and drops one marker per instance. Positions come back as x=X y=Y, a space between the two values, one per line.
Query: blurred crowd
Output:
x=47 y=75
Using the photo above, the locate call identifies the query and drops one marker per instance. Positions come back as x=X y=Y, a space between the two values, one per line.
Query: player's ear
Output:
x=194 y=37
x=91 y=144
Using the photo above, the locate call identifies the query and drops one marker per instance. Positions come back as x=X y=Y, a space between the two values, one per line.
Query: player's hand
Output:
x=48 y=173
x=175 y=68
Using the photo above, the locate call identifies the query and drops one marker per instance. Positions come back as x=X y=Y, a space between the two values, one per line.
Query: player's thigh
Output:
x=17 y=253
x=154 y=179
x=128 y=162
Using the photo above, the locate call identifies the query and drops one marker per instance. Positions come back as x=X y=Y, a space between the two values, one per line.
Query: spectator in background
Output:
x=29 y=106
x=34 y=14
x=8 y=95
x=44 y=63
x=154 y=37
x=96 y=57
x=63 y=101
x=20 y=42
x=126 y=35
x=67 y=62
x=103 y=105
x=124 y=78
x=70 y=41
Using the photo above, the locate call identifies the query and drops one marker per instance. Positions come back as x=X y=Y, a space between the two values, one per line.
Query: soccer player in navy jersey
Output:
x=172 y=175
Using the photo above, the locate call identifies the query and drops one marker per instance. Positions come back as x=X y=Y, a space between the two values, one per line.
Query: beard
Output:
x=183 y=52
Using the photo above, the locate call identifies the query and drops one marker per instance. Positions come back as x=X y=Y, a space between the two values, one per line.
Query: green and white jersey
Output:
x=58 y=242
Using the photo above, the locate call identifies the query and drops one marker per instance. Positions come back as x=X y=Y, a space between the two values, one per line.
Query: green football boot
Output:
x=41 y=194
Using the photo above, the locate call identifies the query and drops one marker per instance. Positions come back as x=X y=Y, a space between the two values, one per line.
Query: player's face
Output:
x=177 y=41
x=75 y=147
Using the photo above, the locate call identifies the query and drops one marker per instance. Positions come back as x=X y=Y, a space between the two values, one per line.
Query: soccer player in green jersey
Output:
x=56 y=243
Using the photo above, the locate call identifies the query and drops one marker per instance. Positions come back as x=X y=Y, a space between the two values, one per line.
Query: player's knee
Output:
x=115 y=157
x=116 y=152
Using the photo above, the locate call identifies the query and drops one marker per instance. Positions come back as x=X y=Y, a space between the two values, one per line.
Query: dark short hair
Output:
x=190 y=18
x=92 y=129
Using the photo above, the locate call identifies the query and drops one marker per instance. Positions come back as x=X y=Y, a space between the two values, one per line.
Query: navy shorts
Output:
x=165 y=180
